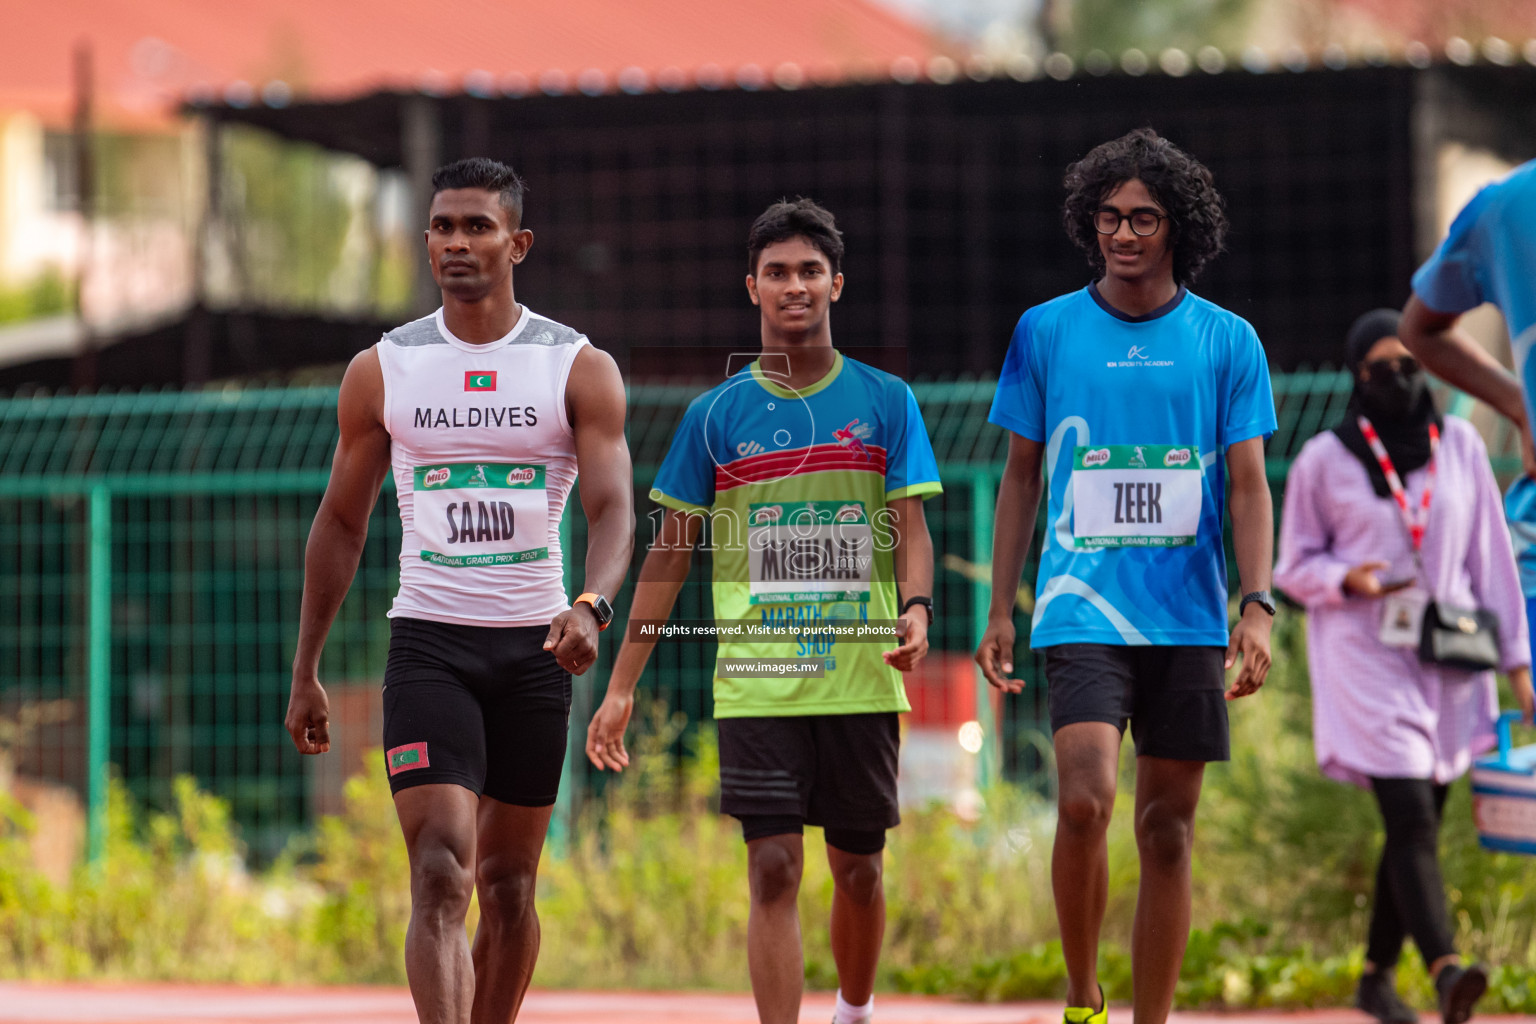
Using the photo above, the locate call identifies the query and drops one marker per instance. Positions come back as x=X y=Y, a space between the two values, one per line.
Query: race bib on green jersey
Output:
x=809 y=551
x=481 y=513
x=1135 y=495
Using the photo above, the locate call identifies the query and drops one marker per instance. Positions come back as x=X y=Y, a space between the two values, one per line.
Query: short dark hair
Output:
x=797 y=218
x=483 y=172
x=1181 y=185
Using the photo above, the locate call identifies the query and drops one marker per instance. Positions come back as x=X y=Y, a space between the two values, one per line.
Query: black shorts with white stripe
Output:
x=834 y=771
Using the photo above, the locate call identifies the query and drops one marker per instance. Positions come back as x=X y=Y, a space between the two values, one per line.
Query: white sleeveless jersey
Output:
x=484 y=458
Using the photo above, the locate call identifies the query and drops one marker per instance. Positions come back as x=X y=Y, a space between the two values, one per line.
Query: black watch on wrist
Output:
x=1262 y=598
x=926 y=602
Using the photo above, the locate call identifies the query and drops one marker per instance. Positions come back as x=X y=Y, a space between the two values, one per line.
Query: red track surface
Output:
x=187 y=1004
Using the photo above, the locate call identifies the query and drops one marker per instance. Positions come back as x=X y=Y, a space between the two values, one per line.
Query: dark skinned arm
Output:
x=913 y=555
x=661 y=577
x=1453 y=356
x=1253 y=540
x=336 y=542
x=594 y=396
x=1018 y=503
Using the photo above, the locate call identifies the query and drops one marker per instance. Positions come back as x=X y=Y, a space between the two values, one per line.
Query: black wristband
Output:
x=1261 y=598
x=926 y=602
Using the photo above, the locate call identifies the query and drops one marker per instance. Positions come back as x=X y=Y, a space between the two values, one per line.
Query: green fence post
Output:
x=565 y=797
x=99 y=679
x=982 y=499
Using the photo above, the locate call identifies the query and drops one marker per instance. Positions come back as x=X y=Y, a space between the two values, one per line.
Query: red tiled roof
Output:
x=150 y=54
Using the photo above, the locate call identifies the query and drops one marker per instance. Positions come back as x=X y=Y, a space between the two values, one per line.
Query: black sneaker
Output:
x=1460 y=988
x=1377 y=996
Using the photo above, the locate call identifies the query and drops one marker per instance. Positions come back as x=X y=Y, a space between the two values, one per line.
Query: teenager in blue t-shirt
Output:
x=1144 y=405
x=1489 y=255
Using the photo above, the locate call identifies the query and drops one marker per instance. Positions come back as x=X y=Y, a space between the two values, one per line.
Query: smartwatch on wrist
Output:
x=926 y=602
x=601 y=609
x=1262 y=598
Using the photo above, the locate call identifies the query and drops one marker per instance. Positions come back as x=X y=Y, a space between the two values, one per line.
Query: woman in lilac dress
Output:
x=1382 y=719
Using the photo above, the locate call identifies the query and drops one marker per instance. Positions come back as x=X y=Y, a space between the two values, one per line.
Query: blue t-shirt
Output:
x=1490 y=256
x=1117 y=400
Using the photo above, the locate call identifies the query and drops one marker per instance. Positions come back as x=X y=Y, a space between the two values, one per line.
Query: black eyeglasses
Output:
x=1143 y=222
x=1405 y=365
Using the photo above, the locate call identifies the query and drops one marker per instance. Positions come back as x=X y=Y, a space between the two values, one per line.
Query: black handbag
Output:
x=1462 y=638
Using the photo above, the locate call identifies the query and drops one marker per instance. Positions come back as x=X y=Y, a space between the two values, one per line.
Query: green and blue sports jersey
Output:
x=1489 y=255
x=796 y=487
x=1136 y=414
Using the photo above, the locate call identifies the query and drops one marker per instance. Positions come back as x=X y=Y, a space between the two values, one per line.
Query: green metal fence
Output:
x=151 y=565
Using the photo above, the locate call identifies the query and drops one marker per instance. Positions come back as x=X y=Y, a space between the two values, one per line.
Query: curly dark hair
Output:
x=1181 y=185
x=483 y=172
x=797 y=218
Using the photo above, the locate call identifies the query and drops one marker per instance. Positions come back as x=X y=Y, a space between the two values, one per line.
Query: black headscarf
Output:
x=1406 y=435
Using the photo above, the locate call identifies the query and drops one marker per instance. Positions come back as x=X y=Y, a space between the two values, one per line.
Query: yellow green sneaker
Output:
x=1087 y=1014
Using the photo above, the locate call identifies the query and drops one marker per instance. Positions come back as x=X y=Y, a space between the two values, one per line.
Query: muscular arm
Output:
x=1453 y=356
x=595 y=395
x=595 y=400
x=661 y=577
x=1253 y=540
x=913 y=558
x=336 y=541
x=1018 y=502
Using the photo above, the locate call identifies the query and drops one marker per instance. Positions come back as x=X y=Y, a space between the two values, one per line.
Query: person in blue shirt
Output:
x=1489 y=255
x=1144 y=405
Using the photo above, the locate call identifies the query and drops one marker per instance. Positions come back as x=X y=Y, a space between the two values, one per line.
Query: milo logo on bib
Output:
x=809 y=551
x=1136 y=495
x=481 y=513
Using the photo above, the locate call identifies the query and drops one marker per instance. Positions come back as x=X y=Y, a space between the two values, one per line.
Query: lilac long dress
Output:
x=1377 y=710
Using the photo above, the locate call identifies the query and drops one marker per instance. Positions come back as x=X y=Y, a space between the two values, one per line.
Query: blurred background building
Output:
x=236 y=192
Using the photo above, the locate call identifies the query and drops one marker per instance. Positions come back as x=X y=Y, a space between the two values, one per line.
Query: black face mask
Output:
x=1391 y=395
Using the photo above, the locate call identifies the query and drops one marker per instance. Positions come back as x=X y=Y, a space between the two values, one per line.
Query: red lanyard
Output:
x=1415 y=524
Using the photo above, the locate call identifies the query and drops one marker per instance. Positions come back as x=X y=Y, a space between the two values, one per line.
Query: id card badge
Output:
x=1402 y=617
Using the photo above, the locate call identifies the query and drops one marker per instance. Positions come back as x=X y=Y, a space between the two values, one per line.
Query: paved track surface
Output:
x=195 y=1004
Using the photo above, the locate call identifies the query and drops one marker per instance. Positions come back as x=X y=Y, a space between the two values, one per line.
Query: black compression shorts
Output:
x=482 y=707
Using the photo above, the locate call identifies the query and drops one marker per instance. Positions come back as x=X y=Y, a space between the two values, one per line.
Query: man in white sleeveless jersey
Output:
x=485 y=411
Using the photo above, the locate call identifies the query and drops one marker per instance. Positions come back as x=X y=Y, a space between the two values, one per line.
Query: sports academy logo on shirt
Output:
x=853 y=437
x=1137 y=356
x=479 y=380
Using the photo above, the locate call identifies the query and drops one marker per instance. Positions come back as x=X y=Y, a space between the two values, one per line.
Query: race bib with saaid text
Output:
x=481 y=513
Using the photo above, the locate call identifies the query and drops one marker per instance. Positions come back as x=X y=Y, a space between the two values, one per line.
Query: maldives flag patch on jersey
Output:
x=403 y=759
x=480 y=380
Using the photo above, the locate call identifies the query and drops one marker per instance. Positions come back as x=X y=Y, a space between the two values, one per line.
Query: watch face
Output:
x=601 y=609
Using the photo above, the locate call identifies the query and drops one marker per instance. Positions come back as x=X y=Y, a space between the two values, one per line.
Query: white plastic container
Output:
x=1504 y=794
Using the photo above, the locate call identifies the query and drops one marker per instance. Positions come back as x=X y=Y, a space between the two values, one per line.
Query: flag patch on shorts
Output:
x=403 y=759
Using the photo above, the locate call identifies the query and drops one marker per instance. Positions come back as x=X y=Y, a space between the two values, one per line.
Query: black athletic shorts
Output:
x=1173 y=696
x=834 y=771
x=483 y=707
